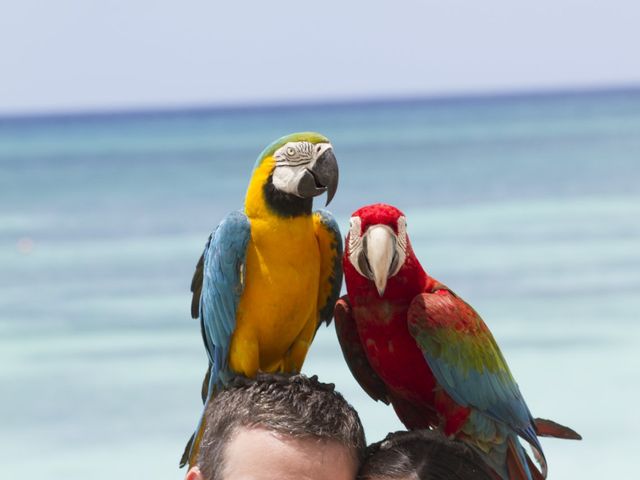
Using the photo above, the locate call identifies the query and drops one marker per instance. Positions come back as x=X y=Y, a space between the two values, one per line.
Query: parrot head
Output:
x=300 y=166
x=377 y=243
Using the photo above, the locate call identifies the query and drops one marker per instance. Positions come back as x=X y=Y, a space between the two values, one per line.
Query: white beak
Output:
x=379 y=252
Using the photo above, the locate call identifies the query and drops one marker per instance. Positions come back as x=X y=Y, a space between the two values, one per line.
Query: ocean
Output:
x=528 y=206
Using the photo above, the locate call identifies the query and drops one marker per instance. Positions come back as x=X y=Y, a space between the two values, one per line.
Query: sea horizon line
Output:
x=208 y=108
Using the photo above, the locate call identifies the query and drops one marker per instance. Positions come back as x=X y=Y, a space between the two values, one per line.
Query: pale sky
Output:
x=87 y=54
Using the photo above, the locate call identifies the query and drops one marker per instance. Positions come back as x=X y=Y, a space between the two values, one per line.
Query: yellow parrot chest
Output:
x=281 y=287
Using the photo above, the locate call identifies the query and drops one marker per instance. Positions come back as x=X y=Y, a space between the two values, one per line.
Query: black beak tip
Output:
x=330 y=173
x=331 y=192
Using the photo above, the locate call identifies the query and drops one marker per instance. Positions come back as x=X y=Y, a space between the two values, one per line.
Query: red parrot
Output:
x=411 y=341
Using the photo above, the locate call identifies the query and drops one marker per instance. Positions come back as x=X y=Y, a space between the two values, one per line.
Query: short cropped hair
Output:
x=292 y=405
x=422 y=455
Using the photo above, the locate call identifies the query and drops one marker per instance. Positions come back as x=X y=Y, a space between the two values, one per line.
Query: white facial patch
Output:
x=292 y=160
x=401 y=245
x=355 y=242
x=294 y=153
x=286 y=179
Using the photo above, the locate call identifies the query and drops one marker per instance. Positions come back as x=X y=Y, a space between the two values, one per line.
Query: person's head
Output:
x=279 y=427
x=422 y=455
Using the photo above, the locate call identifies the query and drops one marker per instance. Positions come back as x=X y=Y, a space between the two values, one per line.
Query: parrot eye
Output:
x=291 y=151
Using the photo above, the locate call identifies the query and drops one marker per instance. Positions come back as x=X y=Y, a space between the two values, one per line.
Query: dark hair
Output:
x=425 y=455
x=293 y=405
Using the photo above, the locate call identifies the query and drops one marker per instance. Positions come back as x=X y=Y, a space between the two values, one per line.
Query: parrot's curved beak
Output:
x=321 y=176
x=379 y=247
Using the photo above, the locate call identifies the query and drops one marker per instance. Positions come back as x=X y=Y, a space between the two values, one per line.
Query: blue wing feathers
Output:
x=224 y=260
x=217 y=286
x=491 y=393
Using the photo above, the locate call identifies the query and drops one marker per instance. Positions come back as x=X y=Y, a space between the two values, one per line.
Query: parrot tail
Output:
x=549 y=428
x=512 y=461
x=192 y=448
x=519 y=464
x=205 y=384
x=508 y=460
x=187 y=451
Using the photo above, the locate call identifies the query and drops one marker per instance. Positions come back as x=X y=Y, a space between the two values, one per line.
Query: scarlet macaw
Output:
x=411 y=341
x=269 y=275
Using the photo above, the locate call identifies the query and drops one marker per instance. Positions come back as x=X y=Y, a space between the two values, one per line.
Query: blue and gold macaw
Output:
x=270 y=274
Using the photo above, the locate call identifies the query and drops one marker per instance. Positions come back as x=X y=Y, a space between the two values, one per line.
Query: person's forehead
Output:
x=261 y=454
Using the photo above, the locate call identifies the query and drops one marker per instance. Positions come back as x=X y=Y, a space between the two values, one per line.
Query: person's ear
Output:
x=194 y=474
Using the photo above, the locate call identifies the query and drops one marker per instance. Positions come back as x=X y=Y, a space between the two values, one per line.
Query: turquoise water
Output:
x=527 y=206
